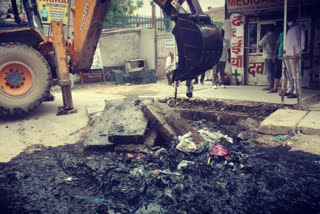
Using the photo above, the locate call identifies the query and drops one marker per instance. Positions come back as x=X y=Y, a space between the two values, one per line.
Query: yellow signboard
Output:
x=53 y=10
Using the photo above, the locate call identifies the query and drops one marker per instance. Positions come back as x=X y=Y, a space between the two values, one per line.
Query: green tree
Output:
x=120 y=11
x=124 y=7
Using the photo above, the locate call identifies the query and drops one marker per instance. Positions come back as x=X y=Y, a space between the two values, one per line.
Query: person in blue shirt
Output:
x=44 y=13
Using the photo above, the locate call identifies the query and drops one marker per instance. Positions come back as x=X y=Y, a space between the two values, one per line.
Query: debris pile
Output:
x=166 y=180
x=133 y=125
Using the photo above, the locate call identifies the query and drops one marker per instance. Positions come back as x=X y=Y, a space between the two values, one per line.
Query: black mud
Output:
x=64 y=180
x=253 y=109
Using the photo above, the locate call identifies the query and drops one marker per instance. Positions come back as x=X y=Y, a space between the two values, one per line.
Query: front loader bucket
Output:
x=199 y=45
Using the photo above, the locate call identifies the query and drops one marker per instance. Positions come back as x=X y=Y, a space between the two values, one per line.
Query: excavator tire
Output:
x=25 y=79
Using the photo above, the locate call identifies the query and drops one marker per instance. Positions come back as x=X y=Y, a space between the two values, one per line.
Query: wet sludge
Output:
x=256 y=180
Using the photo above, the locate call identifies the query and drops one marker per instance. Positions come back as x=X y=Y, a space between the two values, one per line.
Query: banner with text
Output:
x=97 y=59
x=254 y=5
x=237 y=46
x=53 y=10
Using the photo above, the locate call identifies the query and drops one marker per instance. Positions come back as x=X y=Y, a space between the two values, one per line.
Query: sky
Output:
x=146 y=9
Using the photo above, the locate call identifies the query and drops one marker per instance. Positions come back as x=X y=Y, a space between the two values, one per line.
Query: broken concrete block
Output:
x=94 y=109
x=282 y=121
x=127 y=122
x=121 y=122
x=168 y=122
x=97 y=138
x=310 y=124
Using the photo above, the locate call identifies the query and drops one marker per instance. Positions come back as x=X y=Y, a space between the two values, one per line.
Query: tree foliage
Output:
x=124 y=7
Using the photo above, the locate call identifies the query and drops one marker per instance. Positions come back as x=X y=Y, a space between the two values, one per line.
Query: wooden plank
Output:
x=168 y=122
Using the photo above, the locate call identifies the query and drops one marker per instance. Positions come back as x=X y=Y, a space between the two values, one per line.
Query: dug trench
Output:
x=257 y=179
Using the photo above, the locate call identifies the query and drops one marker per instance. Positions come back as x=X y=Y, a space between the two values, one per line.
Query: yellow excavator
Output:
x=29 y=62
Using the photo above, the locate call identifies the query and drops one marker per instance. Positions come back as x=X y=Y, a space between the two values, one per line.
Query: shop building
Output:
x=250 y=19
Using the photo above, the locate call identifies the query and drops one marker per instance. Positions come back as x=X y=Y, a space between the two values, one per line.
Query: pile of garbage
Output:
x=225 y=174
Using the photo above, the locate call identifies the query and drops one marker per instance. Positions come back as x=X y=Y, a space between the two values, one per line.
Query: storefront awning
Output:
x=252 y=6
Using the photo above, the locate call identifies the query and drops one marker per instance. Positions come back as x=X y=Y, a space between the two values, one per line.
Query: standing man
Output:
x=292 y=55
x=278 y=53
x=170 y=66
x=268 y=44
x=221 y=65
x=196 y=79
x=44 y=13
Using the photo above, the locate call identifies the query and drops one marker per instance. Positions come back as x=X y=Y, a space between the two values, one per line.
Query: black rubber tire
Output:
x=41 y=78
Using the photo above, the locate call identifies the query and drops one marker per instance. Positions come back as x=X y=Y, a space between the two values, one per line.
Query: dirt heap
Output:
x=256 y=180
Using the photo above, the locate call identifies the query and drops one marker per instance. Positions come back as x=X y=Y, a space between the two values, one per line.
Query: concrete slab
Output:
x=282 y=121
x=93 y=109
x=310 y=125
x=97 y=138
x=315 y=107
x=121 y=122
x=127 y=122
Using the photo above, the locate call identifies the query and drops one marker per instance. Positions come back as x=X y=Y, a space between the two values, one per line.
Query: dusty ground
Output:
x=45 y=128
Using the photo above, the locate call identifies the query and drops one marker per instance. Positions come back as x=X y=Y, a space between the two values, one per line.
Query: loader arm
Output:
x=88 y=19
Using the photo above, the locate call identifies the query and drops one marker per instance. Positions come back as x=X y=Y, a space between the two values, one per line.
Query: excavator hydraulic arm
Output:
x=88 y=19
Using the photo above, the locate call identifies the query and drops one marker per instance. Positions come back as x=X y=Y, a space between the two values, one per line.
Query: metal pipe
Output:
x=299 y=91
x=284 y=50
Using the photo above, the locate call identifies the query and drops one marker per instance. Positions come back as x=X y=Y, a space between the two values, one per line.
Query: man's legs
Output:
x=277 y=75
x=168 y=75
x=196 y=80
x=290 y=73
x=222 y=72
x=269 y=72
x=215 y=76
x=202 y=78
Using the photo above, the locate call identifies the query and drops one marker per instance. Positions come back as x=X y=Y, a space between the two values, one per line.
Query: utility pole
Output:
x=154 y=27
x=154 y=18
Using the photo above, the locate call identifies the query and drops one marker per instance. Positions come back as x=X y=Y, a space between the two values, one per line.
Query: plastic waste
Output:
x=281 y=138
x=184 y=137
x=184 y=164
x=161 y=151
x=214 y=136
x=187 y=146
x=133 y=210
x=91 y=200
x=219 y=150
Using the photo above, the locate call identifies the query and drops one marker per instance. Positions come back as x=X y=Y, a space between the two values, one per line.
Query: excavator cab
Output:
x=199 y=41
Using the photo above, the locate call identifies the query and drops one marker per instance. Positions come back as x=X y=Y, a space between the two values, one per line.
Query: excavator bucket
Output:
x=199 y=46
x=199 y=41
